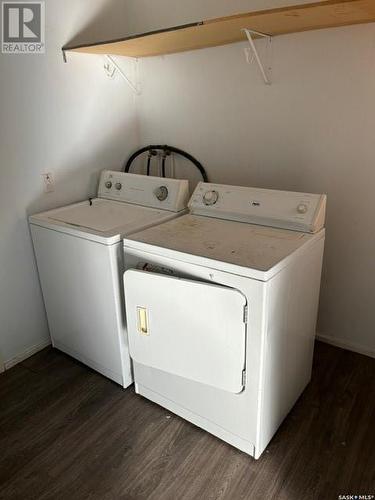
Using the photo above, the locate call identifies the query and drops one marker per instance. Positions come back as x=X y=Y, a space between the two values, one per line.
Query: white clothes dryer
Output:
x=222 y=306
x=78 y=250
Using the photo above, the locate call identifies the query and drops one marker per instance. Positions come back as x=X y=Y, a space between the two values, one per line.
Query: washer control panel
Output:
x=154 y=192
x=283 y=209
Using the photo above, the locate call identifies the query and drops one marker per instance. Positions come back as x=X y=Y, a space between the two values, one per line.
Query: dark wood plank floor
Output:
x=68 y=433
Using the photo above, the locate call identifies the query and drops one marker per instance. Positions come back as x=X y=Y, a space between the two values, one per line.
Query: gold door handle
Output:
x=142 y=321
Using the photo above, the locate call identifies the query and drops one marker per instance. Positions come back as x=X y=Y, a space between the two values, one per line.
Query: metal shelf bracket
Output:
x=250 y=34
x=111 y=67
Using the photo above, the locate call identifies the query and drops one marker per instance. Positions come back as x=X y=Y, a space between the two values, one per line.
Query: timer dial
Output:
x=161 y=193
x=210 y=197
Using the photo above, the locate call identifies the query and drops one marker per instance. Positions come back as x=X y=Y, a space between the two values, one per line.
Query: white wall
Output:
x=69 y=119
x=312 y=130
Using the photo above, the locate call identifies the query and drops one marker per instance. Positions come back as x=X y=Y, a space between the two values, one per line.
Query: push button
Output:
x=302 y=208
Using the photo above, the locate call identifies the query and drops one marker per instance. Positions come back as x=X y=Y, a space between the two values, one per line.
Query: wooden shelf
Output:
x=224 y=30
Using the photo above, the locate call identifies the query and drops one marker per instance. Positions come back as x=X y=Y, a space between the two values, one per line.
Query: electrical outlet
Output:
x=48 y=182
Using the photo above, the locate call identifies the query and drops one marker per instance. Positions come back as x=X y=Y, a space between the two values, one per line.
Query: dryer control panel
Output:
x=283 y=209
x=154 y=192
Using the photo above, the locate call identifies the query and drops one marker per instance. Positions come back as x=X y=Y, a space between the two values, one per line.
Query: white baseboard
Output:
x=350 y=346
x=25 y=354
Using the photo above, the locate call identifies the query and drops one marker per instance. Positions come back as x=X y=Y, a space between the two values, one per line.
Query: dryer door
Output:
x=187 y=328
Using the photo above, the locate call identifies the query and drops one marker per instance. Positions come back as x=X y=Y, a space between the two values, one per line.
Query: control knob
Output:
x=161 y=193
x=108 y=184
x=118 y=186
x=210 y=197
x=302 y=208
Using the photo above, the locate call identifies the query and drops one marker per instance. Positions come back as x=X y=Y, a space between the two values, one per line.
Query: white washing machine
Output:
x=222 y=306
x=79 y=255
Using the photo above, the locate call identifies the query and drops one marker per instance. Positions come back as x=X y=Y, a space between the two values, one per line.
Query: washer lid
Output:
x=104 y=221
x=241 y=248
x=101 y=216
